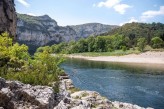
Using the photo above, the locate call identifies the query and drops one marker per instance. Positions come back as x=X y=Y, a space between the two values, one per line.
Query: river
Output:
x=141 y=84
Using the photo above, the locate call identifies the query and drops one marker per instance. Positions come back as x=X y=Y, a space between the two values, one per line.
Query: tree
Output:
x=118 y=41
x=82 y=45
x=91 y=41
x=100 y=44
x=18 y=56
x=157 y=42
x=12 y=56
x=141 y=43
x=45 y=48
x=60 y=48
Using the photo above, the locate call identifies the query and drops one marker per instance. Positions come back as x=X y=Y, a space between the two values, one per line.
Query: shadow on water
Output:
x=141 y=84
x=154 y=69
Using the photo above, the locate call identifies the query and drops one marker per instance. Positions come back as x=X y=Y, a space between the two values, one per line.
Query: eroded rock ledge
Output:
x=16 y=95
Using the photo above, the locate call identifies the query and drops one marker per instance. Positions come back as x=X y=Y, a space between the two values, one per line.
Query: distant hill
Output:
x=38 y=31
x=89 y=29
x=136 y=30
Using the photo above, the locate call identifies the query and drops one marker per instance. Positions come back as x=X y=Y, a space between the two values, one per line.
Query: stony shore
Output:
x=16 y=95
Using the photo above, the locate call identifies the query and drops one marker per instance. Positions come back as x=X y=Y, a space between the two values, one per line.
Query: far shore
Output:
x=147 y=57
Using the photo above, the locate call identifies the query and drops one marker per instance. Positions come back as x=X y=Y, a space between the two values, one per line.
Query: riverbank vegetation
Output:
x=17 y=64
x=130 y=38
x=107 y=46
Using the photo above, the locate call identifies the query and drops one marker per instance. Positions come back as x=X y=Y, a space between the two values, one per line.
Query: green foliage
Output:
x=113 y=53
x=74 y=89
x=60 y=48
x=45 y=48
x=28 y=19
x=91 y=41
x=141 y=43
x=124 y=48
x=133 y=31
x=17 y=64
x=92 y=44
x=157 y=42
x=128 y=36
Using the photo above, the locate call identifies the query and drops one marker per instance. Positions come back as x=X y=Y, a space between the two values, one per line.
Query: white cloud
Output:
x=121 y=8
x=132 y=19
x=116 y=4
x=31 y=14
x=150 y=14
x=23 y=2
x=109 y=3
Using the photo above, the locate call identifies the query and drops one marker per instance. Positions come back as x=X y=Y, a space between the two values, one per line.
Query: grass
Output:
x=84 y=94
x=149 y=48
x=74 y=89
x=114 y=53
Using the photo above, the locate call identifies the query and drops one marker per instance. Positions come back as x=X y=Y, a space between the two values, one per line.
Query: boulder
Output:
x=16 y=95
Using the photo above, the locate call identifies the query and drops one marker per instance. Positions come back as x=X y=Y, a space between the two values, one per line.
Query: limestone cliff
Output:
x=36 y=31
x=88 y=29
x=42 y=30
x=8 y=17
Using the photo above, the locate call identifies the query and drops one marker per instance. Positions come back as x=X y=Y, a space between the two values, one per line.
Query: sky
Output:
x=112 y=12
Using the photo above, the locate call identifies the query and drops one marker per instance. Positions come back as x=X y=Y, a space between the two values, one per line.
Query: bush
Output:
x=141 y=43
x=124 y=48
x=17 y=64
x=157 y=42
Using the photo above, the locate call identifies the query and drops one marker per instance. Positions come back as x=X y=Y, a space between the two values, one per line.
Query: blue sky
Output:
x=113 y=12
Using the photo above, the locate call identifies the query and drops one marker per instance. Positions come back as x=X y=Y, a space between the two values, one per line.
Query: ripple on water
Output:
x=145 y=90
x=118 y=82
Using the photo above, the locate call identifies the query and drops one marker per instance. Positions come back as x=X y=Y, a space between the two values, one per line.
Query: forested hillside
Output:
x=137 y=30
x=134 y=36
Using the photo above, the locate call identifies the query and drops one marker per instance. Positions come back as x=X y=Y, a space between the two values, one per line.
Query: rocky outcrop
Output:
x=16 y=95
x=8 y=17
x=121 y=105
x=73 y=98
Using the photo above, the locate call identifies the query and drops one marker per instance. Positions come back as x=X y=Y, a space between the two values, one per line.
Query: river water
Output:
x=141 y=84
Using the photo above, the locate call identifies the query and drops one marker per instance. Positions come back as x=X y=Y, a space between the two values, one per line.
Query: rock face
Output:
x=16 y=95
x=8 y=17
x=93 y=29
x=42 y=30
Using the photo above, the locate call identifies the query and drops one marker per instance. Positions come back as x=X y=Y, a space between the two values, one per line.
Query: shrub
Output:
x=124 y=48
x=17 y=64
x=141 y=43
x=157 y=42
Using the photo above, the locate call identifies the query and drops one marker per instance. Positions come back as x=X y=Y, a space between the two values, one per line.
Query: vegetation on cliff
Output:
x=138 y=30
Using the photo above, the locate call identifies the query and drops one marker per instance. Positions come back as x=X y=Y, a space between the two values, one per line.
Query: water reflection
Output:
x=131 y=67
